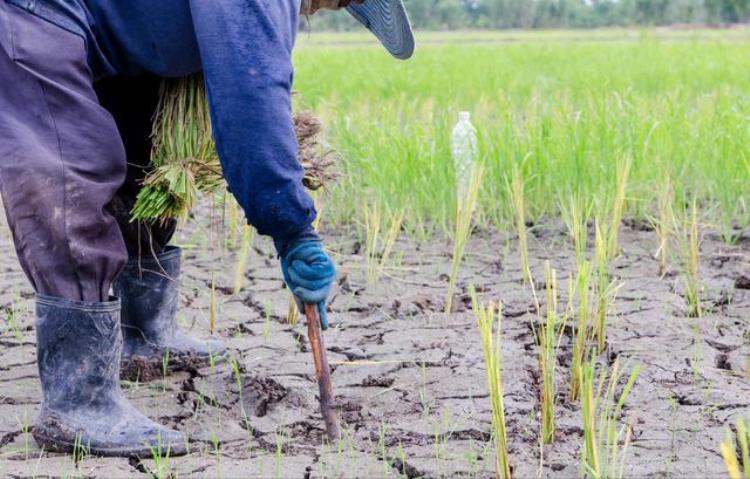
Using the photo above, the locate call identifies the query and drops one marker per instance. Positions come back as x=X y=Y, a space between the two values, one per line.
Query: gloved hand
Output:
x=309 y=274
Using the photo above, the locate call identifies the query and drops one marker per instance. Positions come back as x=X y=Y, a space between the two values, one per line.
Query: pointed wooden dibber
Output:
x=322 y=372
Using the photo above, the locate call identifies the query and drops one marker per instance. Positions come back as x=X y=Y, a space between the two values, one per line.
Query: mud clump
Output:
x=261 y=394
x=382 y=382
x=142 y=369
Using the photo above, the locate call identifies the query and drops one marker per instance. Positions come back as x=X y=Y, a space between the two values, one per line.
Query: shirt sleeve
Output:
x=246 y=54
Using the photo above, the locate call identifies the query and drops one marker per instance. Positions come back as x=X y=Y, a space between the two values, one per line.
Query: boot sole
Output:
x=62 y=447
x=145 y=369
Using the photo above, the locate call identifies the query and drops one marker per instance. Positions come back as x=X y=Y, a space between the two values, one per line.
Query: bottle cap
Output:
x=464 y=116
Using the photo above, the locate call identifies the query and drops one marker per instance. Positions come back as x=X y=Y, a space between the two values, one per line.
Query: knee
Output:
x=31 y=183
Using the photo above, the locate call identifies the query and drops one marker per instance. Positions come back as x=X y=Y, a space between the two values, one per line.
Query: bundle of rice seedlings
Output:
x=184 y=159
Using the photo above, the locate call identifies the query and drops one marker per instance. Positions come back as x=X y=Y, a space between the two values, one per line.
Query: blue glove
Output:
x=309 y=274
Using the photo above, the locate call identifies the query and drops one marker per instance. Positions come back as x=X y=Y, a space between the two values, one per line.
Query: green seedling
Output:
x=489 y=322
x=423 y=396
x=238 y=379
x=13 y=313
x=606 y=441
x=161 y=458
x=605 y=289
x=234 y=221
x=618 y=206
x=518 y=199
x=696 y=361
x=401 y=453
x=26 y=431
x=441 y=432
x=666 y=224
x=394 y=229
x=738 y=467
x=576 y=214
x=216 y=452
x=582 y=337
x=378 y=256
x=212 y=305
x=382 y=432
x=464 y=223
x=372 y=238
x=248 y=235
x=292 y=313
x=692 y=266
x=81 y=450
x=164 y=370
x=549 y=335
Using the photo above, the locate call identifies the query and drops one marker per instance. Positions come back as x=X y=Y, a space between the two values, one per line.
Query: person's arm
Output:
x=246 y=52
x=246 y=48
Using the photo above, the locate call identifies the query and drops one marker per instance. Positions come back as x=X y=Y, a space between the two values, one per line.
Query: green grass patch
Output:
x=564 y=108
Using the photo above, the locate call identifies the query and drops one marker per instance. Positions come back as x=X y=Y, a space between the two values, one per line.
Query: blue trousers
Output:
x=72 y=154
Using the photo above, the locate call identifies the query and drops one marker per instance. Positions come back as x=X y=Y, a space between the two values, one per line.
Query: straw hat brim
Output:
x=388 y=20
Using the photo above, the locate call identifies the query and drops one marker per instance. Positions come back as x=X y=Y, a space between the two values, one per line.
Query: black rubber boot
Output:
x=149 y=289
x=78 y=351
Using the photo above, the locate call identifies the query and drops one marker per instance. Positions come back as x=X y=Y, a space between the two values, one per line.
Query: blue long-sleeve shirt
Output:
x=244 y=49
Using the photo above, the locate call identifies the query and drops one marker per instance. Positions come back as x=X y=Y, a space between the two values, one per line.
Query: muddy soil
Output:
x=410 y=380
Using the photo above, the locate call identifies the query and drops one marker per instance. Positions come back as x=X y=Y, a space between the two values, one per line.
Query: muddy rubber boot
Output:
x=79 y=346
x=149 y=290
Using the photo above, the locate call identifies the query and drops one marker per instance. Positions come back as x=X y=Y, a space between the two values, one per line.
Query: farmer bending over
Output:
x=78 y=88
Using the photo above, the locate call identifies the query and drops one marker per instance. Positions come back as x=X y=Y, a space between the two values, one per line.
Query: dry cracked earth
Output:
x=410 y=380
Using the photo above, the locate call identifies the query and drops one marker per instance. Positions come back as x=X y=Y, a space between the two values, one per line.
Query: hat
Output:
x=388 y=20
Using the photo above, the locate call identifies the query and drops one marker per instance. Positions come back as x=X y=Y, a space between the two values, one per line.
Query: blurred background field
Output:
x=310 y=37
x=569 y=108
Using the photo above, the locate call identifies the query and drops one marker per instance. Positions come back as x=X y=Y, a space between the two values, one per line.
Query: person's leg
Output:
x=61 y=161
x=133 y=101
x=149 y=283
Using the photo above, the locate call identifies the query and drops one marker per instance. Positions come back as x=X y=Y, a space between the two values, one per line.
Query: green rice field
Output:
x=568 y=108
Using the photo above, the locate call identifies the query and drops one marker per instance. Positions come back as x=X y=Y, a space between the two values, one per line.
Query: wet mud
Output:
x=409 y=380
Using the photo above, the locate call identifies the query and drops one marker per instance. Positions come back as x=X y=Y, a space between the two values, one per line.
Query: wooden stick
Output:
x=322 y=372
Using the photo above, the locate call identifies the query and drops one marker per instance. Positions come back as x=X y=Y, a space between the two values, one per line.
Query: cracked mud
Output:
x=409 y=380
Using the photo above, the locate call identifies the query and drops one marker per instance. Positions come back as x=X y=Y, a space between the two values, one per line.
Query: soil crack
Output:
x=137 y=465
x=403 y=467
x=9 y=437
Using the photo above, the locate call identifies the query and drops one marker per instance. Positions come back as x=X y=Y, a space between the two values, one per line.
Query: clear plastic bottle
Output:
x=464 y=147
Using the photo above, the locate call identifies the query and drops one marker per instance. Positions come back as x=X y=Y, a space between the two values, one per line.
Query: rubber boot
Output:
x=79 y=346
x=149 y=290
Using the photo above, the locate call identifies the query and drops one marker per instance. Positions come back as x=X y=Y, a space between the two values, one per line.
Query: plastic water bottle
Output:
x=464 y=146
